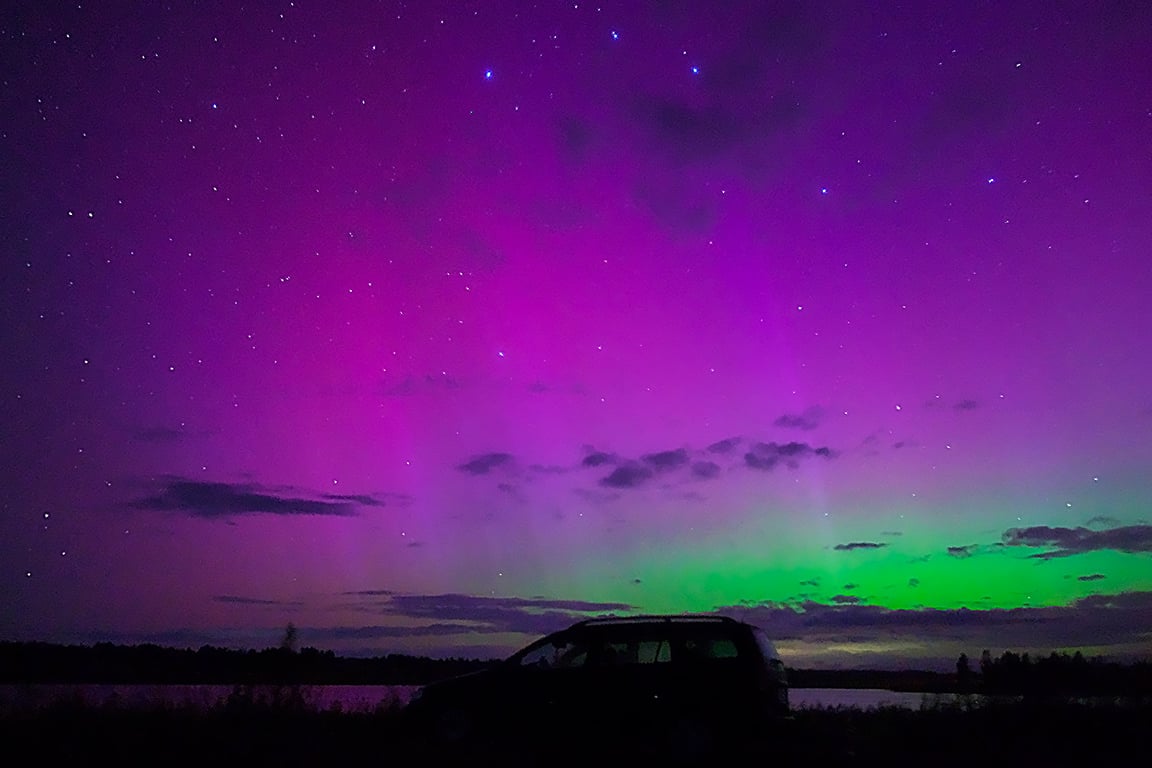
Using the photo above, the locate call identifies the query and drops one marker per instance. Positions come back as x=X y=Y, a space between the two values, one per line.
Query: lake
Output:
x=359 y=698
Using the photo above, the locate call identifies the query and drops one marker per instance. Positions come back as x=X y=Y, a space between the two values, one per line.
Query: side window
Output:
x=560 y=654
x=654 y=651
x=722 y=648
x=705 y=648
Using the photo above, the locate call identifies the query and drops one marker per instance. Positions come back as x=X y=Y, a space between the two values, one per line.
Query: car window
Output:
x=707 y=648
x=722 y=648
x=656 y=650
x=559 y=654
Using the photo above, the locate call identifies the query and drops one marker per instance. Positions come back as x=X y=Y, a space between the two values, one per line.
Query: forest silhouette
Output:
x=36 y=662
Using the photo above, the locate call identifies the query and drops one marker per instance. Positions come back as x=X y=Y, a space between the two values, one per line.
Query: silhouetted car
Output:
x=684 y=682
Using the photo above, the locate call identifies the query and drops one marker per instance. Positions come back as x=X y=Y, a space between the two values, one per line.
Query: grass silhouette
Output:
x=279 y=732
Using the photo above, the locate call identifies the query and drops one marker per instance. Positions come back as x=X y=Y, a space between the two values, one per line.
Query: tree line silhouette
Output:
x=154 y=664
x=35 y=662
x=1056 y=673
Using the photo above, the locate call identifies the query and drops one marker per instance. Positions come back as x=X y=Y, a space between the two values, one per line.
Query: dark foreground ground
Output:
x=1038 y=733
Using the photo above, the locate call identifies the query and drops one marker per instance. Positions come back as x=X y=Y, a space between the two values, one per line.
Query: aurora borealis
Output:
x=432 y=326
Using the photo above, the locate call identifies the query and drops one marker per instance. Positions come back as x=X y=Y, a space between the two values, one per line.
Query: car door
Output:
x=547 y=683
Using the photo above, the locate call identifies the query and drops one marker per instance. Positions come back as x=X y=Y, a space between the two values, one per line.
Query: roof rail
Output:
x=678 y=618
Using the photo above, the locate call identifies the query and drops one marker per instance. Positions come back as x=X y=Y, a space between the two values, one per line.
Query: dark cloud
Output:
x=724 y=446
x=485 y=463
x=814 y=582
x=384 y=632
x=745 y=101
x=628 y=475
x=576 y=138
x=483 y=614
x=705 y=470
x=809 y=419
x=253 y=601
x=1065 y=542
x=597 y=458
x=687 y=133
x=961 y=552
x=756 y=461
x=214 y=500
x=666 y=461
x=913 y=582
x=676 y=203
x=1123 y=618
x=766 y=456
x=854 y=545
x=475 y=608
x=968 y=105
x=1092 y=577
x=850 y=587
x=845 y=599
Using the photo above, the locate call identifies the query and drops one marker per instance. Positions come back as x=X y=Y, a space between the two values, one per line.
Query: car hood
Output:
x=460 y=684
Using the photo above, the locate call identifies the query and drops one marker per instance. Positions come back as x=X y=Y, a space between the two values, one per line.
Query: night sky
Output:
x=430 y=327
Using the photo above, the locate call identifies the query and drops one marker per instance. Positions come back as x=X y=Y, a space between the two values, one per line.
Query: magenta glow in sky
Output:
x=431 y=327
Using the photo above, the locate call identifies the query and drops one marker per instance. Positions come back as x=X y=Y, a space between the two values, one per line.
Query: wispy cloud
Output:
x=420 y=385
x=705 y=470
x=1123 y=618
x=159 y=435
x=484 y=614
x=809 y=419
x=362 y=499
x=485 y=463
x=597 y=458
x=724 y=446
x=1103 y=520
x=236 y=600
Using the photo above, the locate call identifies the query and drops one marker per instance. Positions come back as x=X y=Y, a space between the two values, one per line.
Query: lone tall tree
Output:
x=963 y=671
x=289 y=641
